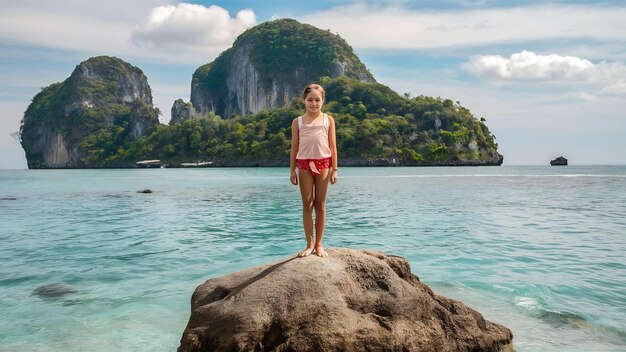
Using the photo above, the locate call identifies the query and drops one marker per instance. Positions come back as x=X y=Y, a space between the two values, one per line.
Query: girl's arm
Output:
x=332 y=143
x=295 y=140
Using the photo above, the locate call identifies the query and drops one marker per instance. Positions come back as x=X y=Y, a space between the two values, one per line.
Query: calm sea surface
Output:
x=541 y=250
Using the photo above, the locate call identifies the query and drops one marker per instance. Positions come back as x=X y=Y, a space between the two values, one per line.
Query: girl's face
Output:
x=314 y=102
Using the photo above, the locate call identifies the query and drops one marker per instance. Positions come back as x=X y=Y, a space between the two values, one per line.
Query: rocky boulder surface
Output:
x=353 y=300
x=104 y=94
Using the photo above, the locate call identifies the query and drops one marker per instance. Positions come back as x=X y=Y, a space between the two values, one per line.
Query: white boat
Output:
x=197 y=164
x=149 y=163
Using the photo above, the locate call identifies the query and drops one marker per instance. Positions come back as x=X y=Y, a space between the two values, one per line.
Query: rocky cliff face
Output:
x=353 y=300
x=269 y=65
x=102 y=93
x=181 y=111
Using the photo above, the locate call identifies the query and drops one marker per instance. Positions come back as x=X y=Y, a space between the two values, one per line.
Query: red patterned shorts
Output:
x=320 y=164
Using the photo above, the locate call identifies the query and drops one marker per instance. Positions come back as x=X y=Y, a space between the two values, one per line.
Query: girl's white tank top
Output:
x=313 y=140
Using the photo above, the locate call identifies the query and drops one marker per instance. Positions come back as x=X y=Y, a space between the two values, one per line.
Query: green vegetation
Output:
x=107 y=146
x=373 y=122
x=280 y=47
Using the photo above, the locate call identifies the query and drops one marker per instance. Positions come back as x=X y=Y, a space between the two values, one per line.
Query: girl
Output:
x=314 y=152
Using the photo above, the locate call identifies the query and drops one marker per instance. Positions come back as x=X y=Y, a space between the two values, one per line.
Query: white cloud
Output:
x=618 y=89
x=65 y=31
x=583 y=96
x=192 y=26
x=396 y=26
x=527 y=65
x=188 y=34
x=570 y=72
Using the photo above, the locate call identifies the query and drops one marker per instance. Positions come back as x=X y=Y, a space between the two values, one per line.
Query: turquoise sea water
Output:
x=541 y=250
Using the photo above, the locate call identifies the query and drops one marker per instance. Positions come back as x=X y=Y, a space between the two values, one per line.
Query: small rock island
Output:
x=353 y=300
x=560 y=161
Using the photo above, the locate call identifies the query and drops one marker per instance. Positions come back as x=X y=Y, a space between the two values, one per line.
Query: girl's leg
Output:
x=321 y=188
x=305 y=180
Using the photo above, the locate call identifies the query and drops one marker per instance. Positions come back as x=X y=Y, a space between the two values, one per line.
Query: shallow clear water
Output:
x=541 y=250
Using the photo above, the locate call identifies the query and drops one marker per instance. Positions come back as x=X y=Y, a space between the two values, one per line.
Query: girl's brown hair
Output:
x=312 y=87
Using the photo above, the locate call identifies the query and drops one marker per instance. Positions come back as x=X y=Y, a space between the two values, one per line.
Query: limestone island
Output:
x=352 y=300
x=240 y=111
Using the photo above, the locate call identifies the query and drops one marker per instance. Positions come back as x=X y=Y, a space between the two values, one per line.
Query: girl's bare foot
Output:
x=319 y=250
x=306 y=252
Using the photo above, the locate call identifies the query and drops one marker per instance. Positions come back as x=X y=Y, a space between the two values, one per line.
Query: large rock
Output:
x=269 y=65
x=353 y=300
x=181 y=111
x=102 y=95
x=560 y=161
x=51 y=291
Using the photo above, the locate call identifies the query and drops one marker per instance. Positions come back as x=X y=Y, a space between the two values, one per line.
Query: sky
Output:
x=549 y=77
